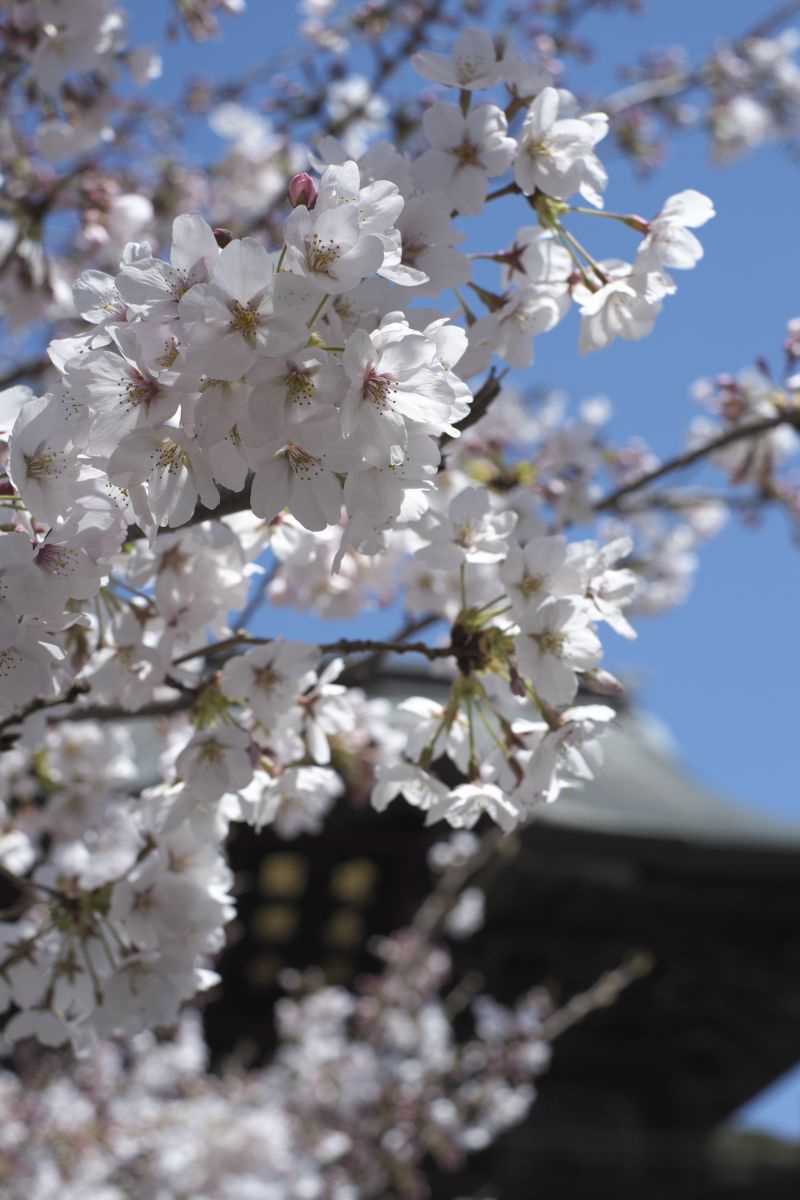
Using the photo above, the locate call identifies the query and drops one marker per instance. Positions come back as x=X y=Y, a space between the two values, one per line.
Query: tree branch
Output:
x=35 y=706
x=730 y=437
x=342 y=646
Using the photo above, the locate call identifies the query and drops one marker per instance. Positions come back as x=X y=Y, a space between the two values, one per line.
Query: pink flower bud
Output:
x=302 y=190
x=223 y=237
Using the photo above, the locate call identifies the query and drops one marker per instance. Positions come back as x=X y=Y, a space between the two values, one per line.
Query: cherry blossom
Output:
x=556 y=149
x=289 y=380
x=473 y=64
x=466 y=151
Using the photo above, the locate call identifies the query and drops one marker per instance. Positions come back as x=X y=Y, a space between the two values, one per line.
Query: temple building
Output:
x=636 y=1100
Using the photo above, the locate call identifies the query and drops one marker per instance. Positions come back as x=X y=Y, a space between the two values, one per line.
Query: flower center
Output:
x=467 y=69
x=301 y=462
x=210 y=752
x=43 y=465
x=466 y=534
x=57 y=560
x=529 y=585
x=171 y=457
x=468 y=154
x=378 y=389
x=245 y=320
x=551 y=643
x=322 y=255
x=267 y=678
x=300 y=386
x=141 y=390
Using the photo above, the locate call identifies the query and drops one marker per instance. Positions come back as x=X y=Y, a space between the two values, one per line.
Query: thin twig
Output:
x=738 y=434
x=604 y=992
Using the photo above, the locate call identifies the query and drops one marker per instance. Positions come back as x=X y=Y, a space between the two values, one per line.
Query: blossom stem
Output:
x=474 y=769
x=597 y=212
x=491 y=603
x=317 y=311
x=492 y=732
x=598 y=270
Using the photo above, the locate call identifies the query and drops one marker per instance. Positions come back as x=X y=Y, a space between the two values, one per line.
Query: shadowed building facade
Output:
x=642 y=859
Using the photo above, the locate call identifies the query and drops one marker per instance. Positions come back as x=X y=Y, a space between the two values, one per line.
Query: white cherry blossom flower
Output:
x=622 y=307
x=473 y=64
x=216 y=761
x=525 y=314
x=120 y=391
x=469 y=532
x=466 y=151
x=668 y=242
x=172 y=470
x=567 y=756
x=131 y=665
x=330 y=248
x=42 y=460
x=289 y=388
x=296 y=802
x=557 y=640
x=556 y=151
x=158 y=286
x=536 y=571
x=270 y=678
x=393 y=377
x=27 y=665
x=524 y=79
x=416 y=786
x=297 y=475
x=429 y=243
x=246 y=310
x=466 y=804
x=608 y=588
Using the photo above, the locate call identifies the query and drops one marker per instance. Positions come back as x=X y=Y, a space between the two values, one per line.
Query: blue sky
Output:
x=722 y=670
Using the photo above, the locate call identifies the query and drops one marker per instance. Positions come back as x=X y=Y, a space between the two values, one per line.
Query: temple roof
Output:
x=645 y=790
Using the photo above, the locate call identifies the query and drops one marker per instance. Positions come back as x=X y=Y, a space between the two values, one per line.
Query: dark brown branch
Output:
x=38 y=705
x=342 y=646
x=114 y=712
x=485 y=395
x=230 y=502
x=361 y=671
x=730 y=437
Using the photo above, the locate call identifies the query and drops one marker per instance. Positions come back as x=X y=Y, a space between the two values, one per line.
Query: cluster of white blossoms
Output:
x=126 y=890
x=364 y=1089
x=73 y=51
x=122 y=911
x=308 y=399
x=525 y=605
x=755 y=92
